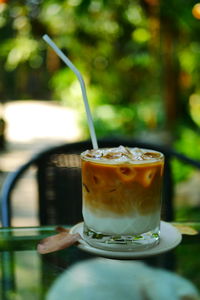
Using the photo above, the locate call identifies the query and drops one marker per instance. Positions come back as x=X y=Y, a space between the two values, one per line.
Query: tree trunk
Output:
x=171 y=73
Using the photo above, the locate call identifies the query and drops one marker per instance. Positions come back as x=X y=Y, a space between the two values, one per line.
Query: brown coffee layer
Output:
x=122 y=189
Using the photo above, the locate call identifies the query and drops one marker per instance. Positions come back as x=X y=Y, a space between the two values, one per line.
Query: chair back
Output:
x=59 y=182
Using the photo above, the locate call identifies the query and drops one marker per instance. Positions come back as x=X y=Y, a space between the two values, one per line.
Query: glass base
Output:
x=121 y=242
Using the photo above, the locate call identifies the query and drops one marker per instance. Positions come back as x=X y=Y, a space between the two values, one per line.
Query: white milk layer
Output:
x=135 y=224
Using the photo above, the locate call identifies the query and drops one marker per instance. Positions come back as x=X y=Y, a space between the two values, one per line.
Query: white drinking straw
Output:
x=83 y=89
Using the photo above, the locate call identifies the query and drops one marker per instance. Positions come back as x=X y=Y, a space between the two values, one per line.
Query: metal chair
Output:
x=58 y=177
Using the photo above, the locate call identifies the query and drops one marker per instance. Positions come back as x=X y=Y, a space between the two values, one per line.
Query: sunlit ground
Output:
x=32 y=126
x=29 y=121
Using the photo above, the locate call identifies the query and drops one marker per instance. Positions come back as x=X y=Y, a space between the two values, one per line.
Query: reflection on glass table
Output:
x=115 y=279
x=25 y=274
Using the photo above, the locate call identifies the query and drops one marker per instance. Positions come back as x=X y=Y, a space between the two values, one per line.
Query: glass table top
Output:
x=25 y=274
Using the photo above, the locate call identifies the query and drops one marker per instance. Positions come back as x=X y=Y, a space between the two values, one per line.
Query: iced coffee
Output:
x=121 y=190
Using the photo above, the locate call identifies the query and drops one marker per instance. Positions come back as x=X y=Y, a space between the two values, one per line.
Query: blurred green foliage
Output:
x=188 y=143
x=140 y=61
x=108 y=42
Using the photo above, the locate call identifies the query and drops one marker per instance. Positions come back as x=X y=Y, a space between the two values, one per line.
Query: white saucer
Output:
x=170 y=237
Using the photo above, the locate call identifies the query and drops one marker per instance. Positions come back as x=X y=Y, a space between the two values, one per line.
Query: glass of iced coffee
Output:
x=121 y=190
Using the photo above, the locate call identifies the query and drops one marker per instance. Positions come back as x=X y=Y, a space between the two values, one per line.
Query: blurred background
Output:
x=141 y=63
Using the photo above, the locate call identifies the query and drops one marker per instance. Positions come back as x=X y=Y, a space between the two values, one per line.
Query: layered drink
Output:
x=121 y=190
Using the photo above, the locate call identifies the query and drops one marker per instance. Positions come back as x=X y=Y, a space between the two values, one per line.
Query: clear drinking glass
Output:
x=121 y=190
